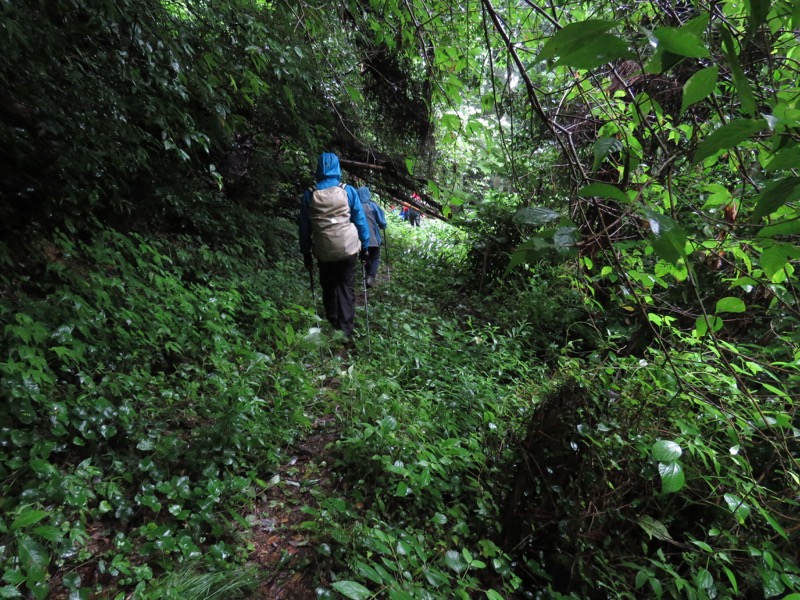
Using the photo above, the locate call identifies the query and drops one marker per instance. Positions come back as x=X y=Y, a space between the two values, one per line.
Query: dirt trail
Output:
x=281 y=548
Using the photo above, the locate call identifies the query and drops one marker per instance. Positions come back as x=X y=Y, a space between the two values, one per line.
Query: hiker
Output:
x=413 y=216
x=333 y=227
x=376 y=221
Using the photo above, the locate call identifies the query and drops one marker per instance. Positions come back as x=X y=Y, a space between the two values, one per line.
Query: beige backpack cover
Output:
x=334 y=236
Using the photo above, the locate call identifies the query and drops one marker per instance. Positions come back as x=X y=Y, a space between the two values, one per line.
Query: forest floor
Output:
x=280 y=546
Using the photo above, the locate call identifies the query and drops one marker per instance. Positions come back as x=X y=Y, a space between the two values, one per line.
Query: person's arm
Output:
x=357 y=216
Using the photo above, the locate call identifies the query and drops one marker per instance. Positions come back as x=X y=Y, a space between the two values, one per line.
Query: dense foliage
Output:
x=583 y=385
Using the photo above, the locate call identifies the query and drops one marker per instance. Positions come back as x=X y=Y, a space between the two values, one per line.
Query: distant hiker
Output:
x=376 y=221
x=333 y=227
x=414 y=214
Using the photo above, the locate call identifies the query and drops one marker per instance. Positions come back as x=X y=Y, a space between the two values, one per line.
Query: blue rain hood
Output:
x=328 y=167
x=363 y=194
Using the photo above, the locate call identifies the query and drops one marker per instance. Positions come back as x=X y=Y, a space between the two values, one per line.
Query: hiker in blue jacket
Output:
x=376 y=221
x=333 y=227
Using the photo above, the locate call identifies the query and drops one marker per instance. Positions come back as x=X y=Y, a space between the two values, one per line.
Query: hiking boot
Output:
x=370 y=280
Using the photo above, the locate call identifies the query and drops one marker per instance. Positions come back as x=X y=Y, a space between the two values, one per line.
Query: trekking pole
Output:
x=366 y=304
x=311 y=284
x=386 y=243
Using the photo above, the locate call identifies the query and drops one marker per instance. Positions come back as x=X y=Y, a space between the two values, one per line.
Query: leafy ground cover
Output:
x=162 y=388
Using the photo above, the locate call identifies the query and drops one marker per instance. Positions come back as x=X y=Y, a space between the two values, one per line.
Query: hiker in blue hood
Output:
x=376 y=220
x=333 y=227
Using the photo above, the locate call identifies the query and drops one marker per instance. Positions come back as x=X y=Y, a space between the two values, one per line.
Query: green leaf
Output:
x=669 y=238
x=48 y=532
x=788 y=158
x=699 y=86
x=701 y=326
x=654 y=528
x=672 y=477
x=602 y=49
x=603 y=190
x=775 y=257
x=566 y=238
x=666 y=451
x=704 y=579
x=732 y=579
x=493 y=595
x=28 y=517
x=535 y=215
x=439 y=519
x=680 y=41
x=740 y=80
x=788 y=227
x=774 y=195
x=572 y=37
x=730 y=304
x=9 y=592
x=727 y=137
x=773 y=523
x=32 y=555
x=351 y=589
x=757 y=12
x=455 y=561
x=602 y=148
x=366 y=571
x=737 y=506
x=401 y=490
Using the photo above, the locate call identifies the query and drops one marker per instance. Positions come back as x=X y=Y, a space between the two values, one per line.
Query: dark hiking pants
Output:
x=337 y=280
x=374 y=260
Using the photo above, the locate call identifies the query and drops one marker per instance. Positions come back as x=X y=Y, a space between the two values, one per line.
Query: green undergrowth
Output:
x=149 y=385
x=489 y=444
x=431 y=412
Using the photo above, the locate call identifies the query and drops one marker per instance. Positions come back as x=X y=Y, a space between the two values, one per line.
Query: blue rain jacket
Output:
x=329 y=174
x=375 y=217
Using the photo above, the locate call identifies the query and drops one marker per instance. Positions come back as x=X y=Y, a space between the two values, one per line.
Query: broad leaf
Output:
x=680 y=42
x=727 y=137
x=28 y=517
x=730 y=304
x=654 y=528
x=757 y=11
x=672 y=477
x=602 y=49
x=572 y=37
x=699 y=86
x=454 y=560
x=565 y=238
x=788 y=158
x=701 y=326
x=737 y=506
x=666 y=451
x=788 y=227
x=535 y=215
x=774 y=195
x=602 y=148
x=775 y=257
x=32 y=555
x=367 y=571
x=603 y=190
x=669 y=238
x=352 y=590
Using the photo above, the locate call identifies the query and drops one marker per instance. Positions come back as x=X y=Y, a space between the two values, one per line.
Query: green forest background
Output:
x=578 y=378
